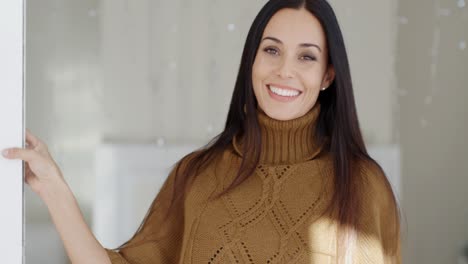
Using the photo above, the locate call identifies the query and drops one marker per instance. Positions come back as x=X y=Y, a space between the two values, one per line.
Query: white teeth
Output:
x=283 y=92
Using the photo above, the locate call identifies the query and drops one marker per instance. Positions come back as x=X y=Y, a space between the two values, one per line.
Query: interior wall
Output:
x=432 y=63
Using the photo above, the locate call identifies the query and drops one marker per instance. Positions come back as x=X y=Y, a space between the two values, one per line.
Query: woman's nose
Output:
x=285 y=70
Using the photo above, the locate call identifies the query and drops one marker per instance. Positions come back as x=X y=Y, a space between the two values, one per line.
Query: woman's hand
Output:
x=40 y=169
x=45 y=179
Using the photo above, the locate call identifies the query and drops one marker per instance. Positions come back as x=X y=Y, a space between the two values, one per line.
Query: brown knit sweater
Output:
x=275 y=216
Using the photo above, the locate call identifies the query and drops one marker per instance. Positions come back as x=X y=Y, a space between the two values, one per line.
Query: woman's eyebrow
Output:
x=301 y=45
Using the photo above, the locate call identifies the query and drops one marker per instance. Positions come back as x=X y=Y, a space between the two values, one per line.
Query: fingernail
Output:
x=5 y=152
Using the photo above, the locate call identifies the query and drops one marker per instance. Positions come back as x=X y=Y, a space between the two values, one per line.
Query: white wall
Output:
x=432 y=63
x=370 y=30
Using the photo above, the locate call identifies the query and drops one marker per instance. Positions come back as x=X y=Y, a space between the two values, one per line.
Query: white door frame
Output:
x=11 y=130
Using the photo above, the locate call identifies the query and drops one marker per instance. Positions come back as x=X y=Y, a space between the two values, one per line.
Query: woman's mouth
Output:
x=282 y=94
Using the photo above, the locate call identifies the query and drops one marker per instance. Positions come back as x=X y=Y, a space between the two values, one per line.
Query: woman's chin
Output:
x=280 y=115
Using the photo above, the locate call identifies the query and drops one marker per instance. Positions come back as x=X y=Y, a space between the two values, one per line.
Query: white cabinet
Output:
x=128 y=177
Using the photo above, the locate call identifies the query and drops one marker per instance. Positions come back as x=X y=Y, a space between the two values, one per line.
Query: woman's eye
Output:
x=307 y=57
x=271 y=51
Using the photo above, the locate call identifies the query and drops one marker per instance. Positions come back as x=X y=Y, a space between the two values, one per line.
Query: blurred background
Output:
x=120 y=90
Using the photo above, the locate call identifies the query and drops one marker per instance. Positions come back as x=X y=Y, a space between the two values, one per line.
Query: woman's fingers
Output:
x=31 y=179
x=23 y=154
x=31 y=139
x=40 y=168
x=35 y=143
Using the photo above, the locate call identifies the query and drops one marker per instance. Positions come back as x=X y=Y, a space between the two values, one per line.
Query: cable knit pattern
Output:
x=275 y=216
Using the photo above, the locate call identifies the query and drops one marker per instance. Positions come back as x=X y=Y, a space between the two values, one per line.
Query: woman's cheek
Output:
x=312 y=79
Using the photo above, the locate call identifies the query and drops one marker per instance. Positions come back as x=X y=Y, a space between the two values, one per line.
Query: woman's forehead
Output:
x=293 y=27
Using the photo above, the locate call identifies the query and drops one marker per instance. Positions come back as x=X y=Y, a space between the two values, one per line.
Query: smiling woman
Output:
x=288 y=180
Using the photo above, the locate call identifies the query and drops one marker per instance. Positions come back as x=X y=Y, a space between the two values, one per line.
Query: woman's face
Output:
x=291 y=66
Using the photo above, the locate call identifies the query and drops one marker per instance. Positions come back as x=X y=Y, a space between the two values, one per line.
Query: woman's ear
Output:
x=329 y=76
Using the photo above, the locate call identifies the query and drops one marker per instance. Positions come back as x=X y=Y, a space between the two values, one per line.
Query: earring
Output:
x=323 y=89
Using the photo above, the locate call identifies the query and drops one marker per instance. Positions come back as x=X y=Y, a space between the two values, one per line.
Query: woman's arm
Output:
x=45 y=178
x=158 y=241
x=79 y=242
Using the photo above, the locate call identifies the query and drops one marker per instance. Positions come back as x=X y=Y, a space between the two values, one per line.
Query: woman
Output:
x=289 y=179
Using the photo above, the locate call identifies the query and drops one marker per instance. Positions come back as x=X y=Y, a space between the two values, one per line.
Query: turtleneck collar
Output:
x=286 y=142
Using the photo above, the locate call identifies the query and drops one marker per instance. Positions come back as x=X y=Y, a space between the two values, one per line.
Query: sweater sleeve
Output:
x=145 y=247
x=377 y=234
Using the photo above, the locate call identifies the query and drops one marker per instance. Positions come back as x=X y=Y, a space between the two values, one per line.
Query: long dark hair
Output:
x=337 y=120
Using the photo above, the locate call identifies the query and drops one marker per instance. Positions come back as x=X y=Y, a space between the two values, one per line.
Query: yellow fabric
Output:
x=275 y=216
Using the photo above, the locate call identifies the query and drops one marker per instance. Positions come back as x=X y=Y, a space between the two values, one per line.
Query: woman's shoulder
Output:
x=376 y=192
x=373 y=178
x=218 y=164
x=379 y=209
x=378 y=197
